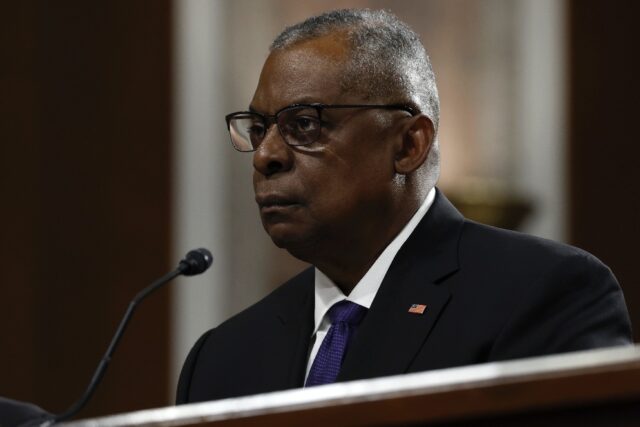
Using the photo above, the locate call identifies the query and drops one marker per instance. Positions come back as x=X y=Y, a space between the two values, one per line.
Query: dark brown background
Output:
x=85 y=137
x=604 y=146
x=86 y=123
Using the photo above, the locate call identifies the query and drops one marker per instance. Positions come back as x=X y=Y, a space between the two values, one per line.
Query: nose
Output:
x=273 y=154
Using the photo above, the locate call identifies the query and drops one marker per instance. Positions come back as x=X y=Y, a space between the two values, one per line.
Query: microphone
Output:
x=195 y=262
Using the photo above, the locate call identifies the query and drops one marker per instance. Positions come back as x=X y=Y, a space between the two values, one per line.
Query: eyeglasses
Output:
x=299 y=124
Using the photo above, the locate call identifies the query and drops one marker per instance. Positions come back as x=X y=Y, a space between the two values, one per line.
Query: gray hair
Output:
x=387 y=61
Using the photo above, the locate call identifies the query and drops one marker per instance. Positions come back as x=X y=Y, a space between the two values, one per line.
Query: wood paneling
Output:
x=604 y=143
x=85 y=146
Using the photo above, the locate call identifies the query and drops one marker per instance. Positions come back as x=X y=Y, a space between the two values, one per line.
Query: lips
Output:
x=275 y=203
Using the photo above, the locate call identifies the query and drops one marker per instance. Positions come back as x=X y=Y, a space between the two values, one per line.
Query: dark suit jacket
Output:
x=16 y=413
x=490 y=294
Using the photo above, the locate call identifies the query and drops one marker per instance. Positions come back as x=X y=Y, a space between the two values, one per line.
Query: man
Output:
x=343 y=129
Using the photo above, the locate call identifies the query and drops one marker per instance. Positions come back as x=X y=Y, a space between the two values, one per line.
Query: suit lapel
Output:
x=389 y=337
x=295 y=320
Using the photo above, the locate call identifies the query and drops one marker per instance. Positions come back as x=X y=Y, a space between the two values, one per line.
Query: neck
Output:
x=347 y=259
x=345 y=275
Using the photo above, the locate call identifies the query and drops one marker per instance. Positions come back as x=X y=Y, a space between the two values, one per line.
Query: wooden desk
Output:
x=591 y=388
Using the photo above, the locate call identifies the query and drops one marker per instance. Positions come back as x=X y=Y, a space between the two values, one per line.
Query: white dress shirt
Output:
x=327 y=293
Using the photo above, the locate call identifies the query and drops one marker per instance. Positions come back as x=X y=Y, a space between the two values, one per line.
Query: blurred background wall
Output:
x=116 y=161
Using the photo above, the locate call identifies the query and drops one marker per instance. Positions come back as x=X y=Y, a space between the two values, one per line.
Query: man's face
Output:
x=333 y=194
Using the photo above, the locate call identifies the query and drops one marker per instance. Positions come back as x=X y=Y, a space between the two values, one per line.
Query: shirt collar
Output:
x=327 y=293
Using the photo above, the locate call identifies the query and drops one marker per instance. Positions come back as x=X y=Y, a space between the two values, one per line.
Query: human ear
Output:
x=412 y=149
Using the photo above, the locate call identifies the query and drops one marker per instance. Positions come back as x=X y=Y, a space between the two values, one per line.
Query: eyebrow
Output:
x=303 y=101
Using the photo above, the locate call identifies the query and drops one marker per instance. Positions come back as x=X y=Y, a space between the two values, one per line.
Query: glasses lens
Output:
x=247 y=131
x=299 y=125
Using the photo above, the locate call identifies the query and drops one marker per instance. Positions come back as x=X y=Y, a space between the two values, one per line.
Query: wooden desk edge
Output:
x=532 y=383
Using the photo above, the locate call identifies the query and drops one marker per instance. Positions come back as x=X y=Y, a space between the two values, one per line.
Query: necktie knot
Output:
x=346 y=312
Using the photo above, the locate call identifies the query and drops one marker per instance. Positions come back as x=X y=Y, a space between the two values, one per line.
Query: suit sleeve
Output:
x=577 y=304
x=184 y=383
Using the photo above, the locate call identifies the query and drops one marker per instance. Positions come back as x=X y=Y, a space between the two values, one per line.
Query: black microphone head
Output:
x=195 y=262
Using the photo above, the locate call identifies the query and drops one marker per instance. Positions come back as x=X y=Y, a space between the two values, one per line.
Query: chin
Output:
x=286 y=240
x=299 y=245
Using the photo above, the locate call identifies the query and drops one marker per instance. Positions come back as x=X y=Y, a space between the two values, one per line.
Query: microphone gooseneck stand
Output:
x=195 y=262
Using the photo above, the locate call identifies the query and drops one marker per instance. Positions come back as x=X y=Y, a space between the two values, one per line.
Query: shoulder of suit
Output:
x=508 y=245
x=289 y=294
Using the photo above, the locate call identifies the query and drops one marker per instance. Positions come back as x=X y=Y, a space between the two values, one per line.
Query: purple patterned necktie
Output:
x=345 y=316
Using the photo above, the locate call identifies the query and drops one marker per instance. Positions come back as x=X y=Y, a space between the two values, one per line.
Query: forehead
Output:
x=309 y=71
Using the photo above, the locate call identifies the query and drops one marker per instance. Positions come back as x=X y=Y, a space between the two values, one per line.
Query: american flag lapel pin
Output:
x=417 y=308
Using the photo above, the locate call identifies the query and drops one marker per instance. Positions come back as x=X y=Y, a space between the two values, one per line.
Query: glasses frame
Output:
x=269 y=120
